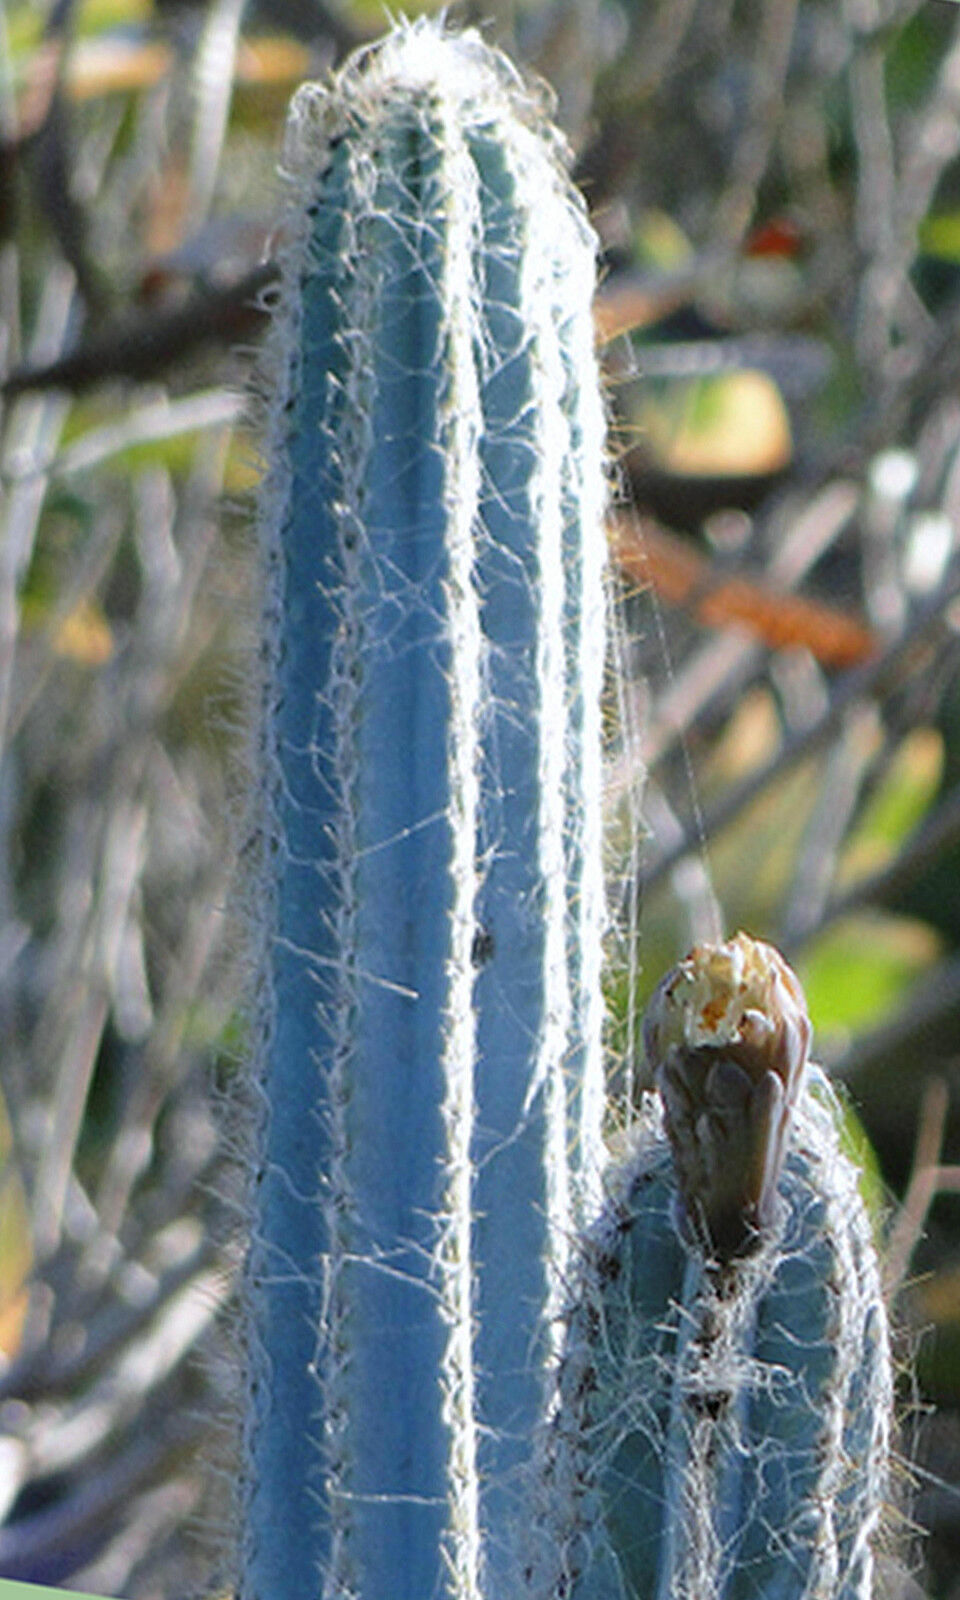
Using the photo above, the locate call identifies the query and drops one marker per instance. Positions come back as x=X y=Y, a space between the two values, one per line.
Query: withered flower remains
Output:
x=726 y=1036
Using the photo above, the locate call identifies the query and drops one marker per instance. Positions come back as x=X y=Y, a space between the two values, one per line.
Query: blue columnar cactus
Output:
x=432 y=1080
x=721 y=1424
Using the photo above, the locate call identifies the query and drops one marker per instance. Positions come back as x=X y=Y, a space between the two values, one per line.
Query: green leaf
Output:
x=940 y=236
x=861 y=969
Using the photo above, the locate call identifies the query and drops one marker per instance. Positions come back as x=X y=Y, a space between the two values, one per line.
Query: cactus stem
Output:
x=433 y=1075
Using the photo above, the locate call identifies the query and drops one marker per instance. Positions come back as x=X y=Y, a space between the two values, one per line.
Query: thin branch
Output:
x=143 y=345
x=925 y=1179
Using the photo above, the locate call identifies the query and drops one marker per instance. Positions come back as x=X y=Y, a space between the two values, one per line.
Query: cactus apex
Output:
x=423 y=57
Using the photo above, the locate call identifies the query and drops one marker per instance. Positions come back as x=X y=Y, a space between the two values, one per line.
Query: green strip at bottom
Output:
x=38 y=1591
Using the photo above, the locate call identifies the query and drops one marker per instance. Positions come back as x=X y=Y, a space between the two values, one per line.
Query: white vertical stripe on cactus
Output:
x=587 y=492
x=549 y=212
x=463 y=427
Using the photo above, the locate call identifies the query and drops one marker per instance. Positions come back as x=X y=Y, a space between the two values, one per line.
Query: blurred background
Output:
x=776 y=186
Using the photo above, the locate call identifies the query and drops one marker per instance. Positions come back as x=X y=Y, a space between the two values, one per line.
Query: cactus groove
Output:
x=431 y=1081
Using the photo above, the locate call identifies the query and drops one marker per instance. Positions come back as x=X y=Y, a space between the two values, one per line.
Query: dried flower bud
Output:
x=726 y=1036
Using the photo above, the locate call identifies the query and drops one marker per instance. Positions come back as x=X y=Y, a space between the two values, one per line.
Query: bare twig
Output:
x=767 y=80
x=926 y=1177
x=144 y=344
